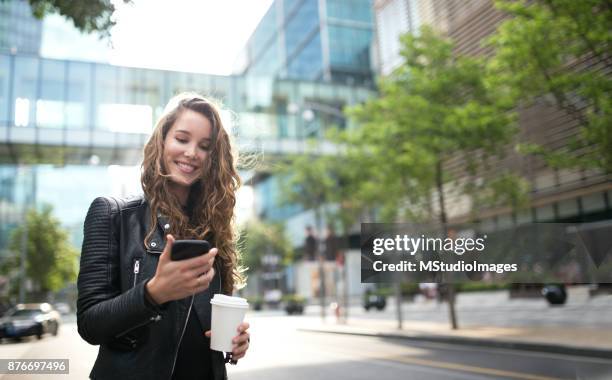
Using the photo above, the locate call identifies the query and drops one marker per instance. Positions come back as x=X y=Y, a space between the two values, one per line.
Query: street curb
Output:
x=492 y=343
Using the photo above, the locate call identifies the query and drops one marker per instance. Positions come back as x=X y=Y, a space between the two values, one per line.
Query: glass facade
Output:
x=20 y=32
x=349 y=28
x=5 y=86
x=68 y=189
x=72 y=114
x=308 y=61
x=300 y=25
x=354 y=10
x=60 y=94
x=314 y=40
x=265 y=32
x=268 y=62
x=268 y=194
x=350 y=47
x=17 y=192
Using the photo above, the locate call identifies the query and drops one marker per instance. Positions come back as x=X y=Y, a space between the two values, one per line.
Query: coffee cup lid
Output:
x=223 y=300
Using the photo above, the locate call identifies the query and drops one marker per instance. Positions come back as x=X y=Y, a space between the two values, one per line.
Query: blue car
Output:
x=34 y=319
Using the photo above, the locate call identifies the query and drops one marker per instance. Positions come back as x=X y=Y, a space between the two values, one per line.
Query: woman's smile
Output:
x=185 y=167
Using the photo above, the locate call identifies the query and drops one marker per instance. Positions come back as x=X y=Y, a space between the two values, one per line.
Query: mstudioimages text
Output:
x=412 y=245
x=440 y=266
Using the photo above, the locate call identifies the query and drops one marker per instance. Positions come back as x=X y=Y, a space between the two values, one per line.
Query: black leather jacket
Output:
x=138 y=340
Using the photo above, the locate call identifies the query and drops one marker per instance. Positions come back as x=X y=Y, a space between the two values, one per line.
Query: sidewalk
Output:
x=582 y=327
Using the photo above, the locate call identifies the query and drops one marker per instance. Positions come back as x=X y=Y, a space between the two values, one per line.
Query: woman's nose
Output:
x=190 y=152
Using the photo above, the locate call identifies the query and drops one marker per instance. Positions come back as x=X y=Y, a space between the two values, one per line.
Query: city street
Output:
x=279 y=350
x=287 y=353
x=66 y=345
x=393 y=189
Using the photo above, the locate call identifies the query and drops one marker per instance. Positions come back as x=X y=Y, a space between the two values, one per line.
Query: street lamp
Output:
x=308 y=115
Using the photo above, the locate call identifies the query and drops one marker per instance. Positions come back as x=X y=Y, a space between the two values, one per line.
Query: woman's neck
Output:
x=181 y=192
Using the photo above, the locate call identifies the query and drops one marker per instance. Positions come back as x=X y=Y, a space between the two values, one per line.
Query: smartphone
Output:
x=187 y=249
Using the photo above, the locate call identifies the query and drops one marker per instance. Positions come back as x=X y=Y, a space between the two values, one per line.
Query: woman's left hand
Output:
x=240 y=342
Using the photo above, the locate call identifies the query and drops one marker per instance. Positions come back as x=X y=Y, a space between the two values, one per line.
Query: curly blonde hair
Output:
x=212 y=197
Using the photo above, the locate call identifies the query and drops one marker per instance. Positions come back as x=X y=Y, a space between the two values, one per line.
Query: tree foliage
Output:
x=434 y=107
x=560 y=49
x=306 y=180
x=331 y=185
x=87 y=16
x=258 y=239
x=51 y=261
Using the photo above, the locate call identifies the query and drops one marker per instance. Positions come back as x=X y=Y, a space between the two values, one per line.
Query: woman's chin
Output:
x=181 y=181
x=191 y=181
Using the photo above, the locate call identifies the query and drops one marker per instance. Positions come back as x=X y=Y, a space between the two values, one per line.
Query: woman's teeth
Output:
x=185 y=167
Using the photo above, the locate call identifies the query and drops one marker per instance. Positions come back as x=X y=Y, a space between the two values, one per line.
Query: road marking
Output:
x=462 y=346
x=515 y=351
x=469 y=368
x=449 y=366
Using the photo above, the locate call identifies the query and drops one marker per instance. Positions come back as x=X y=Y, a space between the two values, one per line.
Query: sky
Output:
x=202 y=36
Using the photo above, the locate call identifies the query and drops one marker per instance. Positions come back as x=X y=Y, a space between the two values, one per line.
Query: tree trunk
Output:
x=398 y=302
x=346 y=287
x=450 y=287
x=344 y=273
x=23 y=254
x=320 y=258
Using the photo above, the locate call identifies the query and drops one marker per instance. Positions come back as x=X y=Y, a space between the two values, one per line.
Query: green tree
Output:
x=560 y=50
x=50 y=261
x=306 y=181
x=331 y=186
x=258 y=239
x=87 y=16
x=435 y=107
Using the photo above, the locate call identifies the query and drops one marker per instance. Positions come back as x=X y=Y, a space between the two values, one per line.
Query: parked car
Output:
x=32 y=319
x=256 y=303
x=555 y=294
x=377 y=301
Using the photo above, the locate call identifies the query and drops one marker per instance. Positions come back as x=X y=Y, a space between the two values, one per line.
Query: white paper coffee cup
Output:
x=227 y=314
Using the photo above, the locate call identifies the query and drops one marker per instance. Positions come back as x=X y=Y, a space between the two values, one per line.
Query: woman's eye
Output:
x=182 y=141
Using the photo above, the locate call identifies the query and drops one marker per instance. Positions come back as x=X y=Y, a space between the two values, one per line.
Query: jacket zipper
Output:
x=136 y=270
x=132 y=328
x=182 y=333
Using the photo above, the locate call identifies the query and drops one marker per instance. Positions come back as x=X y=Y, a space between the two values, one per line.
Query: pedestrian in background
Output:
x=310 y=244
x=147 y=312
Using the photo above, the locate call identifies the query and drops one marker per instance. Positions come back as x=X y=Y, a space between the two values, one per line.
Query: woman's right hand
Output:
x=175 y=280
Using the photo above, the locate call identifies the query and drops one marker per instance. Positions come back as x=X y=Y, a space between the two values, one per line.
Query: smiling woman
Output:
x=186 y=149
x=152 y=315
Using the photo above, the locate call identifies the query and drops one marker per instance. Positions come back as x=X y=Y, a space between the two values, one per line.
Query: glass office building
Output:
x=67 y=127
x=20 y=32
x=318 y=40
